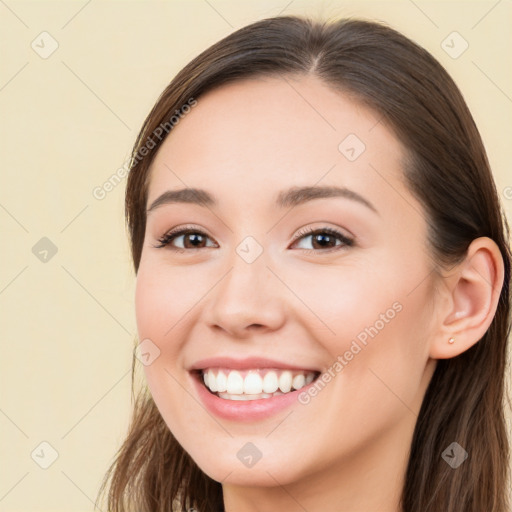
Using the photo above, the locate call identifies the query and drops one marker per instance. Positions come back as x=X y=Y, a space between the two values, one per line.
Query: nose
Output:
x=247 y=299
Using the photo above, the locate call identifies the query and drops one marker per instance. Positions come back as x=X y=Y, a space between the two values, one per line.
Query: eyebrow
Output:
x=286 y=198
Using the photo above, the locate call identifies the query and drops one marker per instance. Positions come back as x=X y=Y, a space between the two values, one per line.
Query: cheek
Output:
x=163 y=296
x=384 y=353
x=344 y=299
x=166 y=303
x=380 y=329
x=157 y=311
x=159 y=308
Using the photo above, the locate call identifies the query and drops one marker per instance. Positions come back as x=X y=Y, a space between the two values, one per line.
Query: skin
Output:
x=347 y=449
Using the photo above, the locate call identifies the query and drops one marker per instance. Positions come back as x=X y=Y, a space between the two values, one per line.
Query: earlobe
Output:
x=472 y=293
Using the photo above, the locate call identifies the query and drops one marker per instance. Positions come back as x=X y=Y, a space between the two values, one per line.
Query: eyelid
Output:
x=176 y=232
x=347 y=241
x=166 y=239
x=308 y=230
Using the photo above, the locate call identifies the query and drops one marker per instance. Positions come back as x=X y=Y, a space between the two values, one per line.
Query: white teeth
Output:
x=212 y=381
x=231 y=384
x=285 y=381
x=298 y=381
x=222 y=381
x=235 y=383
x=253 y=384
x=245 y=397
x=270 y=382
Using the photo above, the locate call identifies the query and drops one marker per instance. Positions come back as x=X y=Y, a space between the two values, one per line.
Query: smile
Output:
x=254 y=384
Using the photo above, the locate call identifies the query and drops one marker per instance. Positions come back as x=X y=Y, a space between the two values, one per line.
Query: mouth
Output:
x=253 y=384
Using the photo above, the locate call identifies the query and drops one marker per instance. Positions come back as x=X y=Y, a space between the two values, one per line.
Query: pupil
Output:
x=195 y=238
x=325 y=237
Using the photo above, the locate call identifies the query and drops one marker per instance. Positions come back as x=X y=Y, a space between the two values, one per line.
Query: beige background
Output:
x=68 y=122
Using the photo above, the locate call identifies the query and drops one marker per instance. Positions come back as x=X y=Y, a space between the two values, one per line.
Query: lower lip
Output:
x=245 y=410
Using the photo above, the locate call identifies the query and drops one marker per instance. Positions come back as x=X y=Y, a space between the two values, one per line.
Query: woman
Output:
x=323 y=277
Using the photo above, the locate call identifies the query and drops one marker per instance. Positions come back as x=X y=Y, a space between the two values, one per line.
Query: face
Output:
x=268 y=289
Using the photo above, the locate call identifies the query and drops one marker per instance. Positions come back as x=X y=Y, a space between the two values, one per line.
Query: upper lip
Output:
x=245 y=364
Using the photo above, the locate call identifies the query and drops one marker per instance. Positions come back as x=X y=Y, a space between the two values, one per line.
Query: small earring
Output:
x=451 y=340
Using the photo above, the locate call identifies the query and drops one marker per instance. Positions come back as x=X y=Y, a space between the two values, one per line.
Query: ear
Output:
x=470 y=296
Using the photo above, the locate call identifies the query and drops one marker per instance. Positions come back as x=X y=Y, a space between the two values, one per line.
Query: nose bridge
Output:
x=246 y=295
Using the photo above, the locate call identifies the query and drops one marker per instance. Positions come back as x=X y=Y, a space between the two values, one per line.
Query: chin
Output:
x=230 y=470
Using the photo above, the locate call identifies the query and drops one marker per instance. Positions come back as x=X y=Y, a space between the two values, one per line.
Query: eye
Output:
x=327 y=243
x=193 y=238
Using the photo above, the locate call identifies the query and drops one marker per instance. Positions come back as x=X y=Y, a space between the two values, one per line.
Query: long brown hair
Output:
x=447 y=170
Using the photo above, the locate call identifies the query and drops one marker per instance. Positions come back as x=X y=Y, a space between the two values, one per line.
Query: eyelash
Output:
x=168 y=237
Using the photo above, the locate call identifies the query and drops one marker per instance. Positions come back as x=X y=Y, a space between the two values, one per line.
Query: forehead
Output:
x=254 y=137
